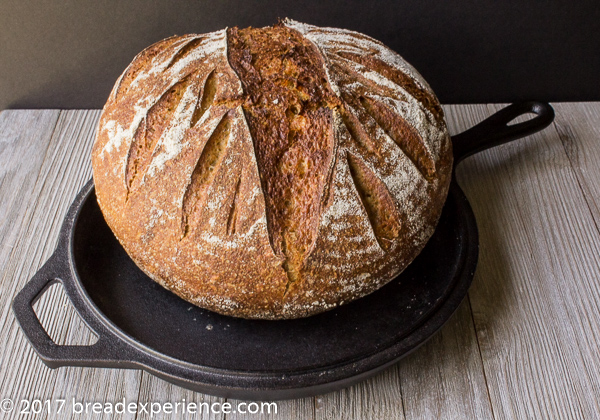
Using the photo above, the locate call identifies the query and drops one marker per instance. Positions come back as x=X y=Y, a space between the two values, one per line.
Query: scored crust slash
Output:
x=272 y=172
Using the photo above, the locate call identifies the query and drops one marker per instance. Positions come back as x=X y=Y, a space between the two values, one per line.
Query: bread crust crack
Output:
x=204 y=173
x=289 y=108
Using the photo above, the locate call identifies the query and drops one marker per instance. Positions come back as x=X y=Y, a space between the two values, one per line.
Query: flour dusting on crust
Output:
x=385 y=184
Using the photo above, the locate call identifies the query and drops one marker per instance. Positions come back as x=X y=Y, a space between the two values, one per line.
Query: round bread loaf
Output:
x=272 y=172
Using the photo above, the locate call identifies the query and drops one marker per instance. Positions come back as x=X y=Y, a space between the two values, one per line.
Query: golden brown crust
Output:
x=274 y=172
x=289 y=109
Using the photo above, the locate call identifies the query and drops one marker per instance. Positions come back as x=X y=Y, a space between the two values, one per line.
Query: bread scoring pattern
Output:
x=315 y=158
x=204 y=173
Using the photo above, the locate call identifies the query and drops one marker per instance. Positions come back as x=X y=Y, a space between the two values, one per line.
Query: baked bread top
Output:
x=272 y=172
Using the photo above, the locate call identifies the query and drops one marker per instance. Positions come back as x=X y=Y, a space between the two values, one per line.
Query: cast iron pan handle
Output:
x=104 y=352
x=495 y=130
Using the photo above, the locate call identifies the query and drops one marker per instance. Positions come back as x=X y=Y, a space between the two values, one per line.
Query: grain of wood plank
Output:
x=376 y=398
x=444 y=379
x=538 y=268
x=303 y=408
x=22 y=133
x=578 y=126
x=64 y=170
x=155 y=390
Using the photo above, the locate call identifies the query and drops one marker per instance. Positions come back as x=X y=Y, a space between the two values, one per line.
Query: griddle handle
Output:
x=54 y=355
x=494 y=130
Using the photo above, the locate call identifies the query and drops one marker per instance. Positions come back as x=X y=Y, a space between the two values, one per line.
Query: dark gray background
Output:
x=68 y=53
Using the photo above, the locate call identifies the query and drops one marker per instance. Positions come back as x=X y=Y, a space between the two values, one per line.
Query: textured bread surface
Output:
x=272 y=172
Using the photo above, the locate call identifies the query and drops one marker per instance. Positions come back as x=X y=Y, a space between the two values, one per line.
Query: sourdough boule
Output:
x=272 y=172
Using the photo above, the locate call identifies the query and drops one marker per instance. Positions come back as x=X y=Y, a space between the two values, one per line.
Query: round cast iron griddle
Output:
x=141 y=325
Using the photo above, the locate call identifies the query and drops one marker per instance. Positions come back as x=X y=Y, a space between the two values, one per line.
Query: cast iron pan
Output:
x=141 y=325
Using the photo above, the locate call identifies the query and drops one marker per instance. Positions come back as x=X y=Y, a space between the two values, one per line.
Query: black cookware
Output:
x=141 y=325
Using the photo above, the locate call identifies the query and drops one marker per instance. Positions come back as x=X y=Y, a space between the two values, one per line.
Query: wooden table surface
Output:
x=524 y=344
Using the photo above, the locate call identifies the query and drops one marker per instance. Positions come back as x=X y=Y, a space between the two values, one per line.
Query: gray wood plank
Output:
x=375 y=398
x=64 y=170
x=287 y=409
x=535 y=294
x=578 y=126
x=22 y=133
x=155 y=390
x=444 y=379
